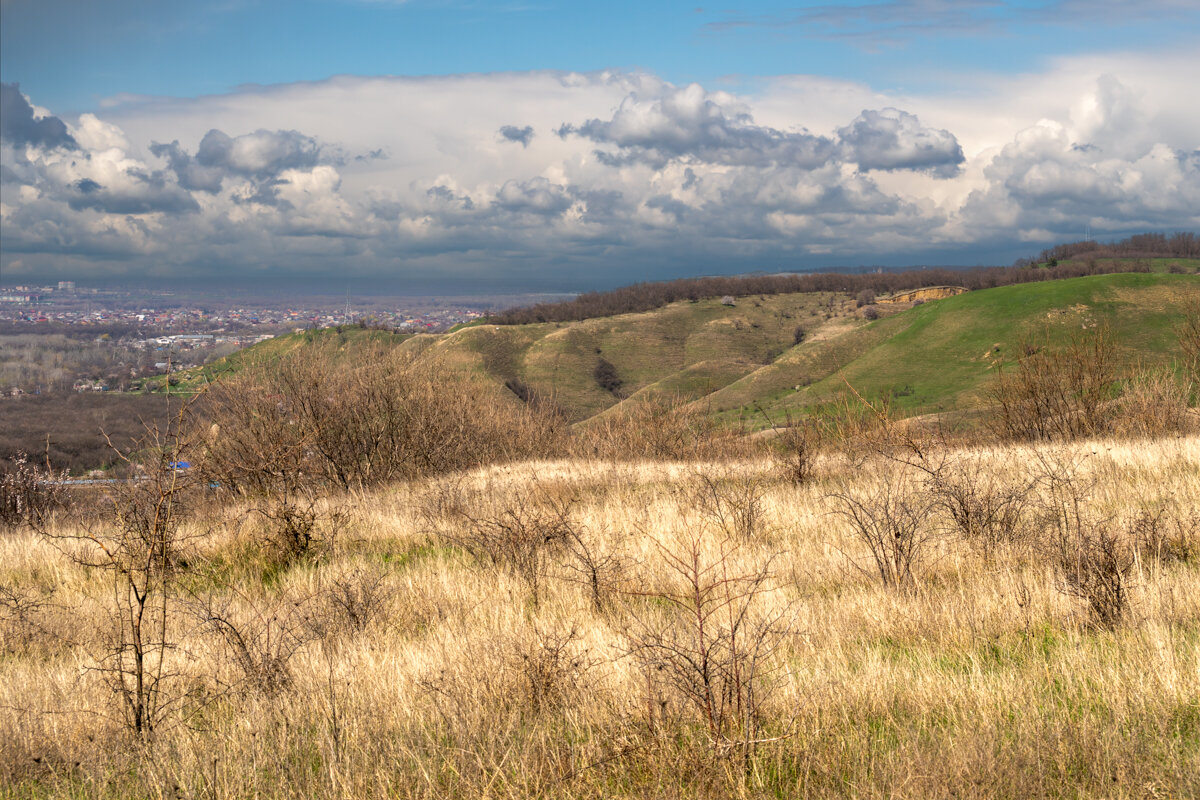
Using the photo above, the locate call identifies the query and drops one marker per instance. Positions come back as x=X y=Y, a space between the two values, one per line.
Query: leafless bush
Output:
x=29 y=495
x=865 y=298
x=353 y=601
x=297 y=523
x=714 y=646
x=892 y=521
x=856 y=427
x=1188 y=335
x=1153 y=403
x=259 y=637
x=590 y=564
x=870 y=313
x=730 y=501
x=518 y=535
x=22 y=609
x=986 y=509
x=1092 y=555
x=794 y=449
x=1165 y=534
x=1057 y=393
x=659 y=427
x=1095 y=565
x=313 y=419
x=138 y=541
x=549 y=665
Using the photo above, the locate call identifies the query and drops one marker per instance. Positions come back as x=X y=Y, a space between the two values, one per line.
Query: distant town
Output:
x=65 y=337
x=65 y=303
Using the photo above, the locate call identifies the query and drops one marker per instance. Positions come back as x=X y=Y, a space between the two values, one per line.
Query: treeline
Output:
x=70 y=429
x=649 y=296
x=1142 y=245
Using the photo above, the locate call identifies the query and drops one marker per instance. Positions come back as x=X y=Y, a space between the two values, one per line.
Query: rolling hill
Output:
x=931 y=357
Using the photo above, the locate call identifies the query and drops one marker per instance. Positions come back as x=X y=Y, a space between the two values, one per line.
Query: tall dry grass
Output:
x=399 y=662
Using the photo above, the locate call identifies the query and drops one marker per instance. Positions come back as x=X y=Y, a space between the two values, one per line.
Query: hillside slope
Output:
x=735 y=359
x=939 y=356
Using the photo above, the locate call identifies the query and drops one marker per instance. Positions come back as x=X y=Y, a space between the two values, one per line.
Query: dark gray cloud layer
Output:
x=511 y=133
x=19 y=126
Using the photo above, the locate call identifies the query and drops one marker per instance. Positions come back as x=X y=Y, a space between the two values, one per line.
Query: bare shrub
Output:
x=518 y=534
x=1187 y=333
x=259 y=637
x=714 y=645
x=856 y=427
x=892 y=521
x=138 y=541
x=865 y=298
x=658 y=427
x=1057 y=393
x=987 y=510
x=297 y=524
x=1165 y=534
x=870 y=313
x=1153 y=403
x=799 y=335
x=29 y=495
x=794 y=448
x=730 y=501
x=312 y=417
x=22 y=611
x=1095 y=565
x=602 y=571
x=549 y=666
x=354 y=600
x=1093 y=556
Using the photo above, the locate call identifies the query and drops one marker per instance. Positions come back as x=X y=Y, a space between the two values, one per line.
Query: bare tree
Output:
x=138 y=542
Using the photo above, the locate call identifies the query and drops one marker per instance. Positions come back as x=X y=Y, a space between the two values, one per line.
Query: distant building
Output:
x=66 y=286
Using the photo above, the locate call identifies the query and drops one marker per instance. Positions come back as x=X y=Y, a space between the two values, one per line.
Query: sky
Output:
x=462 y=146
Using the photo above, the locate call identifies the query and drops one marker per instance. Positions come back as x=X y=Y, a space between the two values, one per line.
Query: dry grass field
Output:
x=586 y=628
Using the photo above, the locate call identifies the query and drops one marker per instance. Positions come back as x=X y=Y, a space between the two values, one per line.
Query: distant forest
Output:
x=1062 y=261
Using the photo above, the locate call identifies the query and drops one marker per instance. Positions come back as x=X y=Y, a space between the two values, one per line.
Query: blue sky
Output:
x=72 y=54
x=566 y=145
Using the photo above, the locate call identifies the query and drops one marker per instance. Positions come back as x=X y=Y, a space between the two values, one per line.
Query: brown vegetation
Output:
x=375 y=584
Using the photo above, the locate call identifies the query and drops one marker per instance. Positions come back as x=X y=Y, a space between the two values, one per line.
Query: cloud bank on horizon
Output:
x=559 y=179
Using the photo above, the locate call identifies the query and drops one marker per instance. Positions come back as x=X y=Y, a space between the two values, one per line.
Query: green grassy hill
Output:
x=937 y=356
